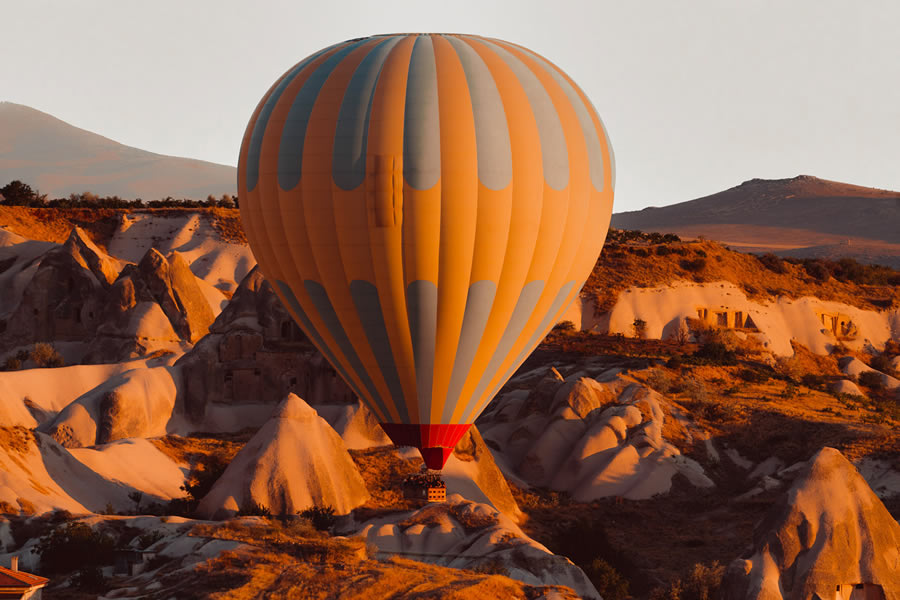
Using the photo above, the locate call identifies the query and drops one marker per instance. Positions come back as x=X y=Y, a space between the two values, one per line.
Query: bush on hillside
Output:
x=772 y=263
x=322 y=517
x=72 y=547
x=713 y=353
x=254 y=509
x=871 y=380
x=694 y=265
x=45 y=355
x=608 y=581
x=701 y=583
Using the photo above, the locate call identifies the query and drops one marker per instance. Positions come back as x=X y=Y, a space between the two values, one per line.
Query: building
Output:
x=19 y=585
x=859 y=591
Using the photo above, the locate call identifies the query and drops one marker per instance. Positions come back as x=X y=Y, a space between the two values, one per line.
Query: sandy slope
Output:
x=48 y=391
x=39 y=475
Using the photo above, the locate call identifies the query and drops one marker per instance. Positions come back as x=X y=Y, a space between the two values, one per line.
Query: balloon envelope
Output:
x=426 y=206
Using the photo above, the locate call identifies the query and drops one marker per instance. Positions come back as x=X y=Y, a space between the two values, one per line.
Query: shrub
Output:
x=675 y=361
x=696 y=391
x=816 y=269
x=871 y=380
x=813 y=381
x=322 y=517
x=45 y=355
x=714 y=353
x=89 y=579
x=694 y=265
x=701 y=583
x=772 y=263
x=660 y=381
x=252 y=509
x=564 y=327
x=663 y=251
x=74 y=546
x=200 y=481
x=12 y=364
x=882 y=363
x=608 y=581
x=640 y=328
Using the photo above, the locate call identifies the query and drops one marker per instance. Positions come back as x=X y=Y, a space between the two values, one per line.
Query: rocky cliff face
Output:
x=255 y=353
x=76 y=292
x=827 y=535
x=62 y=299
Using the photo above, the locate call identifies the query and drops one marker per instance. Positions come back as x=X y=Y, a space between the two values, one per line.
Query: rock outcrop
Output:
x=592 y=438
x=38 y=475
x=62 y=299
x=256 y=354
x=829 y=532
x=294 y=462
x=473 y=463
x=136 y=403
x=469 y=535
x=76 y=292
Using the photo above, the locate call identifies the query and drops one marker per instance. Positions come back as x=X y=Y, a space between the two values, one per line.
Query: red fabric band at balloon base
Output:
x=434 y=442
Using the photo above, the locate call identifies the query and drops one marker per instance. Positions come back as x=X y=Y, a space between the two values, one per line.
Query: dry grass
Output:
x=294 y=561
x=227 y=222
x=16 y=439
x=200 y=448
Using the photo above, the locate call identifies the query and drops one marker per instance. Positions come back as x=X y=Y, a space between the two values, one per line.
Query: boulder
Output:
x=294 y=462
x=828 y=532
x=845 y=386
x=136 y=403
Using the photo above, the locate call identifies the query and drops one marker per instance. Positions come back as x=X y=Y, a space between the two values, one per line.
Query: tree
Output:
x=18 y=193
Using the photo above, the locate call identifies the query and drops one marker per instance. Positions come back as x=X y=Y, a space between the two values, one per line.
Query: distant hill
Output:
x=802 y=216
x=59 y=159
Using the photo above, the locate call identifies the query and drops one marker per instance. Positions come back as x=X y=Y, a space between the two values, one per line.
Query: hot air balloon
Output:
x=426 y=206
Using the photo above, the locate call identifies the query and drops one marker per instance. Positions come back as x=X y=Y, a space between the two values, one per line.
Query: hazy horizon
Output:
x=696 y=98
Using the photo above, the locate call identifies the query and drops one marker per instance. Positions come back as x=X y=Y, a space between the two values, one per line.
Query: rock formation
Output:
x=590 y=438
x=827 y=535
x=294 y=462
x=136 y=403
x=76 y=292
x=61 y=301
x=38 y=475
x=466 y=535
x=472 y=462
x=255 y=353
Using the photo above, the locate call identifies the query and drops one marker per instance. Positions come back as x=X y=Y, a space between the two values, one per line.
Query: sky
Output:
x=697 y=96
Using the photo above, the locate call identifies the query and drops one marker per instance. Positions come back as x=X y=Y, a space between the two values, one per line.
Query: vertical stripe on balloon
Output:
x=348 y=167
x=293 y=136
x=262 y=121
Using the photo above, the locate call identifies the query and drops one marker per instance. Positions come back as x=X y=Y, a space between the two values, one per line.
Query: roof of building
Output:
x=20 y=579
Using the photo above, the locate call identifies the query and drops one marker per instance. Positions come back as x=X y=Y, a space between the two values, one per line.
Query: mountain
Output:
x=802 y=216
x=59 y=159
